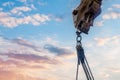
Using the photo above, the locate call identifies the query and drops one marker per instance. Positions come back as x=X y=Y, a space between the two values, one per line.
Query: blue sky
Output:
x=38 y=37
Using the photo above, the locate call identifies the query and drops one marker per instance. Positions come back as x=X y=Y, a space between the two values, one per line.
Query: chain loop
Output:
x=78 y=38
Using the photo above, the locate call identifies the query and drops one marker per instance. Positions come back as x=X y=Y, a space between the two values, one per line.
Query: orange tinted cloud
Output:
x=9 y=75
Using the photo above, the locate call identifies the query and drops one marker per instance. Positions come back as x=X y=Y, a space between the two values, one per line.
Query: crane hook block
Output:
x=85 y=13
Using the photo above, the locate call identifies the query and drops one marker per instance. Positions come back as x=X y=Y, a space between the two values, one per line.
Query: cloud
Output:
x=8 y=4
x=17 y=16
x=23 y=50
x=26 y=61
x=30 y=58
x=39 y=66
x=99 y=23
x=102 y=41
x=23 y=1
x=25 y=43
x=111 y=15
x=116 y=6
x=51 y=41
x=17 y=56
x=108 y=40
x=57 y=50
x=1 y=9
x=33 y=7
x=17 y=10
x=113 y=12
x=102 y=55
x=59 y=18
x=16 y=76
x=42 y=3
x=11 y=22
x=21 y=46
x=34 y=64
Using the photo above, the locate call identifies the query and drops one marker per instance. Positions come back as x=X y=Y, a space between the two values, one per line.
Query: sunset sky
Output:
x=37 y=41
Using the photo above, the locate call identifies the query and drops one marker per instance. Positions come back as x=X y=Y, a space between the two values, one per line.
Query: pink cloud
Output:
x=9 y=75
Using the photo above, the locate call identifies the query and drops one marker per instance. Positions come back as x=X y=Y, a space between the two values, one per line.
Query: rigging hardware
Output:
x=82 y=59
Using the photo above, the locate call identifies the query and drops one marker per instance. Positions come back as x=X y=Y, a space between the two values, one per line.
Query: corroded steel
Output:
x=85 y=13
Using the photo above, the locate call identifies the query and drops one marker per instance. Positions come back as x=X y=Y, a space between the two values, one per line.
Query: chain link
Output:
x=78 y=38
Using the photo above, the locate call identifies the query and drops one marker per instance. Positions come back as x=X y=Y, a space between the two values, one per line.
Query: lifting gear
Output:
x=83 y=17
x=82 y=58
x=85 y=14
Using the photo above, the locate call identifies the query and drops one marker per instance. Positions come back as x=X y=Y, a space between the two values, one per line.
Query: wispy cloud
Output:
x=58 y=18
x=21 y=9
x=42 y=3
x=8 y=4
x=21 y=49
x=108 y=40
x=59 y=51
x=25 y=43
x=14 y=61
x=102 y=41
x=116 y=6
x=113 y=12
x=16 y=76
x=19 y=55
x=22 y=0
x=111 y=15
x=11 y=22
x=1 y=9
x=99 y=23
x=30 y=58
x=18 y=15
x=33 y=7
x=102 y=54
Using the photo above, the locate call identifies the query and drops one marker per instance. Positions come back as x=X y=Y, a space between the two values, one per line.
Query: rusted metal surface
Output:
x=85 y=14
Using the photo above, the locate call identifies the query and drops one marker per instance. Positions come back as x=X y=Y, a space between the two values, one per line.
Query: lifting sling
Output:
x=82 y=59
